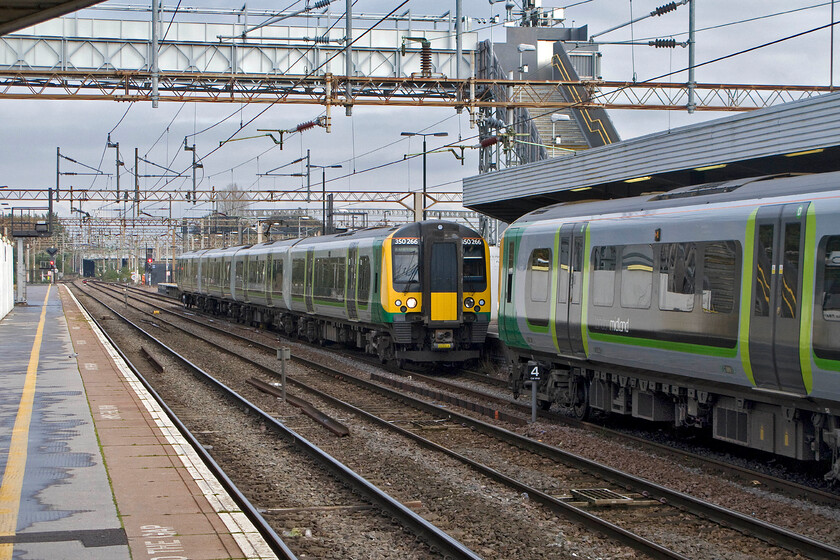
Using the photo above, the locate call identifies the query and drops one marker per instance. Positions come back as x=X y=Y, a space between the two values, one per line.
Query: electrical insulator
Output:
x=487 y=142
x=320 y=4
x=670 y=7
x=663 y=43
x=305 y=126
x=321 y=39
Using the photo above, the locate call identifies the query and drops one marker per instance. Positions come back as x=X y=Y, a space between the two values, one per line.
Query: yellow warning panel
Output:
x=444 y=306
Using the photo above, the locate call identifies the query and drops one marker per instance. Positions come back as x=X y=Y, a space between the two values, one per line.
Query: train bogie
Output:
x=713 y=307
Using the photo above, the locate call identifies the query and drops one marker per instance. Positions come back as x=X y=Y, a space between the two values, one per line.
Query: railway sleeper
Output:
x=766 y=426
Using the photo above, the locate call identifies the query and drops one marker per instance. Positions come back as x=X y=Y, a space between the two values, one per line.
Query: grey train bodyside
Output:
x=712 y=306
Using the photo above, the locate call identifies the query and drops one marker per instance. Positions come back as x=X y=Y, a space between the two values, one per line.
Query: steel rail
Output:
x=765 y=531
x=791 y=488
x=435 y=537
x=276 y=543
x=559 y=507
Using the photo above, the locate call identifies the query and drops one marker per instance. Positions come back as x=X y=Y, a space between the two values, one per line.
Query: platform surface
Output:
x=91 y=467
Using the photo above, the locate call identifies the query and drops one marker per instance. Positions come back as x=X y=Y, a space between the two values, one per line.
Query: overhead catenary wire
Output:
x=701 y=64
x=596 y=96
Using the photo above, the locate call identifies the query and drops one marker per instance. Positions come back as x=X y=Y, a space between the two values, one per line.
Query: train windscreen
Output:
x=475 y=268
x=406 y=256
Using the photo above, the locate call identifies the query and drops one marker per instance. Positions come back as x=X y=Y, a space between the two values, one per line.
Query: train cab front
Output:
x=438 y=296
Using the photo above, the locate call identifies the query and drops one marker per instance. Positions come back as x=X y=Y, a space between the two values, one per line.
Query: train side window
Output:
x=539 y=269
x=790 y=270
x=763 y=267
x=721 y=278
x=329 y=278
x=563 y=271
x=364 y=279
x=577 y=269
x=240 y=268
x=603 y=275
x=298 y=276
x=677 y=268
x=636 y=276
x=278 y=275
x=339 y=268
x=831 y=279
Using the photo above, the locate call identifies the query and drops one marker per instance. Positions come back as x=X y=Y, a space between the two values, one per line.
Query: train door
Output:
x=569 y=289
x=352 y=281
x=777 y=305
x=309 y=280
x=268 y=278
x=442 y=256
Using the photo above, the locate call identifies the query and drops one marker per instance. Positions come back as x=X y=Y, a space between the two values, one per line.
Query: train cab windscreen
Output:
x=475 y=269
x=406 y=256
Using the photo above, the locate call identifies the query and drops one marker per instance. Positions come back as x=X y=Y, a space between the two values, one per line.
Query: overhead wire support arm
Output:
x=320 y=121
x=661 y=10
x=316 y=6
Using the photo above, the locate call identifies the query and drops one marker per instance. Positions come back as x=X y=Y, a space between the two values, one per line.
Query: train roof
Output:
x=768 y=186
x=367 y=233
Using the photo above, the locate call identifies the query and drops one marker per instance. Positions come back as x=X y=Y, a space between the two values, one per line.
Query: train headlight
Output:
x=398 y=302
x=469 y=302
x=411 y=303
x=481 y=302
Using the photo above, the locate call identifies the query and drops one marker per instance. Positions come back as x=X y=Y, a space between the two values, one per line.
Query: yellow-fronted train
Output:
x=418 y=292
x=714 y=306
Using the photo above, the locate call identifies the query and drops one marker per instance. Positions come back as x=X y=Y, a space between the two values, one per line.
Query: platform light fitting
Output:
x=806 y=152
x=710 y=167
x=579 y=189
x=638 y=179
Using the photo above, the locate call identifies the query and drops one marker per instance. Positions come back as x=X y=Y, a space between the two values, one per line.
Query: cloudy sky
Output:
x=371 y=137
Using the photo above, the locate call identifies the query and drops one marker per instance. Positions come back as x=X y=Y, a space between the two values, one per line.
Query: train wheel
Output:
x=580 y=408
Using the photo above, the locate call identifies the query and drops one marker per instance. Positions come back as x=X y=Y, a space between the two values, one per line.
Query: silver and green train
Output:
x=715 y=306
x=418 y=292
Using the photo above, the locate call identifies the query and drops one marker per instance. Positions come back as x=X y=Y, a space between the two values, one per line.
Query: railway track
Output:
x=340 y=479
x=585 y=491
x=484 y=398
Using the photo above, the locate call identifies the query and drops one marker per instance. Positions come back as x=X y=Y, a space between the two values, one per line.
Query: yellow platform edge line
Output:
x=16 y=462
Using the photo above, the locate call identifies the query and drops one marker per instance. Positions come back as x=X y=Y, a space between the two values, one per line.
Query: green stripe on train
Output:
x=808 y=287
x=552 y=308
x=508 y=327
x=685 y=347
x=584 y=298
x=746 y=296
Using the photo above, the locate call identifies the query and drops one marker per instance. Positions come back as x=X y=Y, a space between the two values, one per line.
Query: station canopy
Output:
x=20 y=14
x=798 y=137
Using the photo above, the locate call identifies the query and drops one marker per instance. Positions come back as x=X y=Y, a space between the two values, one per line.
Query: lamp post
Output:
x=424 y=134
x=523 y=48
x=556 y=117
x=324 y=193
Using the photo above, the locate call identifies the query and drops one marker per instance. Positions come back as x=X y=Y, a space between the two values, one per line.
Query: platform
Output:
x=91 y=466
